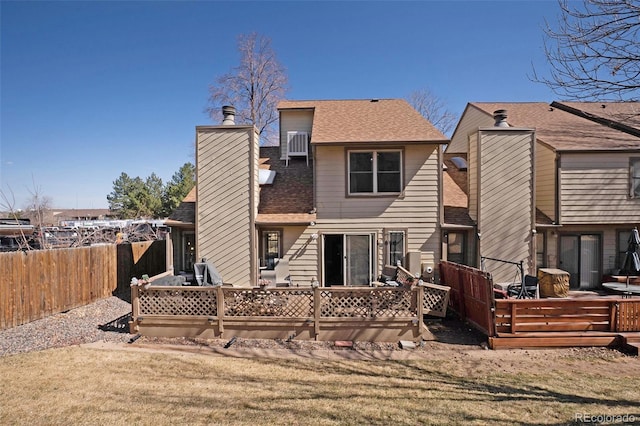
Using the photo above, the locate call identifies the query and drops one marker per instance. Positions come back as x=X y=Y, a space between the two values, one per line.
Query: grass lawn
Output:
x=88 y=386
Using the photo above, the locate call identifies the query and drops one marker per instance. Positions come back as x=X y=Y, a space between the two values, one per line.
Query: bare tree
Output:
x=433 y=109
x=594 y=51
x=7 y=203
x=254 y=87
x=38 y=210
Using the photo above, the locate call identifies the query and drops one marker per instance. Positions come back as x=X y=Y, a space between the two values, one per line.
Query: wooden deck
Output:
x=566 y=322
x=541 y=323
x=344 y=313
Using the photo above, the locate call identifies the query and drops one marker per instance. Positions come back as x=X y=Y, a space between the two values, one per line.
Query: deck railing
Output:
x=323 y=313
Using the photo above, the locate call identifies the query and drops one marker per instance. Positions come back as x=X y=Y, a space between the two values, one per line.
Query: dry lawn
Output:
x=92 y=386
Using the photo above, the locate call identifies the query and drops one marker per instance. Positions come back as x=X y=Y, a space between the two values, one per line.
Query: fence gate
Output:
x=471 y=294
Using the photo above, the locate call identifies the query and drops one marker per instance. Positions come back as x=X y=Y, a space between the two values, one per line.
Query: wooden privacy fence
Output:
x=471 y=294
x=362 y=313
x=35 y=284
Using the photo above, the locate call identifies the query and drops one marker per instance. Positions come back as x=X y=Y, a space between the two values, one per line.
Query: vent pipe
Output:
x=500 y=117
x=229 y=115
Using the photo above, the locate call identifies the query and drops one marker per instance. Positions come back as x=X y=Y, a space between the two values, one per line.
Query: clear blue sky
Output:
x=93 y=89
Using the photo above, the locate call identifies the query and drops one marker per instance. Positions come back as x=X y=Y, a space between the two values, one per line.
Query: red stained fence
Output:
x=471 y=295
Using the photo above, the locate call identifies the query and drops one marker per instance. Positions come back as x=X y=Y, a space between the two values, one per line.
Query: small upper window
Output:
x=375 y=172
x=634 y=178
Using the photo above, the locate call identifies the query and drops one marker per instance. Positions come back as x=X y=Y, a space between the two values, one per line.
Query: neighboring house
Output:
x=353 y=185
x=182 y=224
x=553 y=185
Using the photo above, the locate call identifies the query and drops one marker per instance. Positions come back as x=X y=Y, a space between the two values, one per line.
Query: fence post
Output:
x=168 y=252
x=316 y=312
x=220 y=309
x=135 y=308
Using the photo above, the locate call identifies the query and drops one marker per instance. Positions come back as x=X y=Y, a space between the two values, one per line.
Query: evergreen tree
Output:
x=178 y=187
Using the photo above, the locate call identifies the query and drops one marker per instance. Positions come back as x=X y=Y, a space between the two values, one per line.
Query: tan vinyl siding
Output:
x=595 y=189
x=472 y=119
x=546 y=180
x=416 y=211
x=472 y=176
x=305 y=253
x=302 y=253
x=226 y=200
x=609 y=235
x=506 y=194
x=293 y=121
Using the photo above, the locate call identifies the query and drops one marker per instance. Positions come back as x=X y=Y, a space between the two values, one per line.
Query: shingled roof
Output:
x=561 y=130
x=366 y=121
x=624 y=116
x=185 y=213
x=454 y=195
x=290 y=198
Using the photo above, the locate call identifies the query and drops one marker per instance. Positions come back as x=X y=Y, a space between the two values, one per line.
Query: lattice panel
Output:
x=159 y=301
x=436 y=299
x=267 y=303
x=393 y=303
x=299 y=304
x=404 y=277
x=370 y=303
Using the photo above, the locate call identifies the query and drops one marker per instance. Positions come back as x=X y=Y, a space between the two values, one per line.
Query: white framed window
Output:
x=395 y=249
x=634 y=177
x=375 y=172
x=270 y=247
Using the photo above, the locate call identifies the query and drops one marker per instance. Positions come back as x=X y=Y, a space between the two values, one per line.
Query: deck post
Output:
x=513 y=317
x=316 y=312
x=220 y=309
x=135 y=308
x=420 y=310
x=613 y=314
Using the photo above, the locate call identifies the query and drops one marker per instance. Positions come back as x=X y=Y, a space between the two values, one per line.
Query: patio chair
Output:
x=206 y=274
x=530 y=290
x=279 y=275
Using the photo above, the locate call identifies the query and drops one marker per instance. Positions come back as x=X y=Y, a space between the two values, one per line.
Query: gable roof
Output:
x=562 y=130
x=366 y=121
x=624 y=116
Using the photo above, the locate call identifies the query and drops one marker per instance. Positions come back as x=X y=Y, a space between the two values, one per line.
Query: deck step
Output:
x=552 y=342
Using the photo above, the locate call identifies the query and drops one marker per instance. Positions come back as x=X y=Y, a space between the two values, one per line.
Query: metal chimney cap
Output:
x=228 y=115
x=500 y=116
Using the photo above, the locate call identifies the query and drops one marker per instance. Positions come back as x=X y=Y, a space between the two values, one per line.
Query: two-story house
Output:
x=573 y=169
x=352 y=186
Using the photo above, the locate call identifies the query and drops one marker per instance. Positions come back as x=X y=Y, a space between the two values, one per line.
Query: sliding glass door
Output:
x=580 y=257
x=347 y=259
